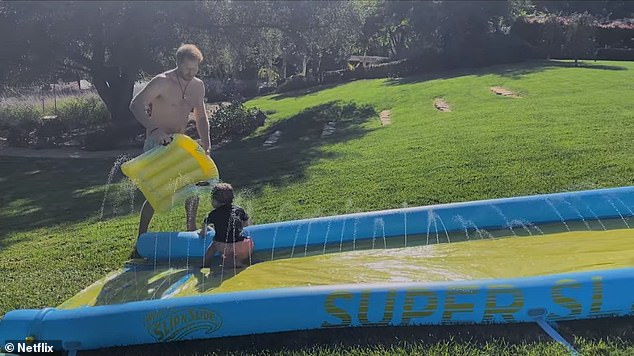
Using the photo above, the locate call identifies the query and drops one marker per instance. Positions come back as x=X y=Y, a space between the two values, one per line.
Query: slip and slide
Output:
x=168 y=175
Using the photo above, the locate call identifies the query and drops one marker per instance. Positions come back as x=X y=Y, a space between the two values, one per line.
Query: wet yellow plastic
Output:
x=167 y=174
x=509 y=257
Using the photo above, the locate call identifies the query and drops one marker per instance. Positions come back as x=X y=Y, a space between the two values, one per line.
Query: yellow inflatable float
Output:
x=167 y=175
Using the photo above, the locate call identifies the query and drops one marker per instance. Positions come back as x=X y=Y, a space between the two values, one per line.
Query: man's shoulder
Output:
x=162 y=77
x=198 y=81
x=159 y=81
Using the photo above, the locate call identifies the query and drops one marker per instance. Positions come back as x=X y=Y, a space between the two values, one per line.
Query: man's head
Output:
x=222 y=194
x=188 y=57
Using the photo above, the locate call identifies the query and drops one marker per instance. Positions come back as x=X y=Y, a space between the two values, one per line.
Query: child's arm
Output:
x=244 y=218
x=203 y=229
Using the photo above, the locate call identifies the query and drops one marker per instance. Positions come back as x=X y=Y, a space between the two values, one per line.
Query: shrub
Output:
x=496 y=49
x=616 y=54
x=266 y=89
x=296 y=82
x=234 y=120
x=83 y=111
x=615 y=36
x=21 y=122
x=334 y=76
x=399 y=68
x=50 y=131
x=229 y=89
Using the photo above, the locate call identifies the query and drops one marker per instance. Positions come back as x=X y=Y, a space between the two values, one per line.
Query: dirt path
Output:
x=441 y=105
x=504 y=92
x=384 y=116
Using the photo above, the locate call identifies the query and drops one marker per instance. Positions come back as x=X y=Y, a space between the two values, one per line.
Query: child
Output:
x=228 y=221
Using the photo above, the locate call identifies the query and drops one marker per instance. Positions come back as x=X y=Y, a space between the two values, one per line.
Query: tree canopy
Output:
x=114 y=43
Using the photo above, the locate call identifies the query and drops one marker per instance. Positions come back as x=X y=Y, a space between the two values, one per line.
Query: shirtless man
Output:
x=172 y=95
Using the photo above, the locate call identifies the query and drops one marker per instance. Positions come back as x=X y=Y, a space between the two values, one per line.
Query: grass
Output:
x=571 y=130
x=511 y=339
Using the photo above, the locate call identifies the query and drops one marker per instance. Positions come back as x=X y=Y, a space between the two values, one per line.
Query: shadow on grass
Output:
x=249 y=163
x=37 y=193
x=302 y=92
x=344 y=339
x=513 y=71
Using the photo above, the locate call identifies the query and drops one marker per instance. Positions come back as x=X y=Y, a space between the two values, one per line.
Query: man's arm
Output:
x=202 y=123
x=142 y=100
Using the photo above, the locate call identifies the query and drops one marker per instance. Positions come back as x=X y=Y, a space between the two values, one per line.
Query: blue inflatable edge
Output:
x=485 y=214
x=579 y=295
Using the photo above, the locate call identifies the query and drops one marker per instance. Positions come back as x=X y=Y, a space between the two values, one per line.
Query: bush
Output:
x=234 y=120
x=398 y=68
x=229 y=89
x=266 y=89
x=83 y=111
x=616 y=54
x=496 y=49
x=296 y=82
x=50 y=131
x=615 y=36
x=334 y=76
x=489 y=50
x=24 y=125
x=547 y=35
x=20 y=122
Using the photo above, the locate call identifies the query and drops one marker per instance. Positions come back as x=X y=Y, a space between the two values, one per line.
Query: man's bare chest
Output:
x=176 y=98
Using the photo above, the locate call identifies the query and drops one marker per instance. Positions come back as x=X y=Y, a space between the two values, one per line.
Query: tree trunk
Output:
x=304 y=64
x=318 y=68
x=283 y=67
x=115 y=87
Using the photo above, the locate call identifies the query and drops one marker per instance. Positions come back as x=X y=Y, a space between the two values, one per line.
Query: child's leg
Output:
x=228 y=256
x=209 y=254
x=232 y=261
x=242 y=252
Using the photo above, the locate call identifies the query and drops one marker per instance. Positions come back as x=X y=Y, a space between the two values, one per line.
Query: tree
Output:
x=411 y=27
x=608 y=9
x=110 y=43
x=313 y=32
x=580 y=36
x=402 y=28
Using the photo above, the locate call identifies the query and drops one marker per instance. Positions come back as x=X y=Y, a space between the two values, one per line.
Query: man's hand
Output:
x=160 y=136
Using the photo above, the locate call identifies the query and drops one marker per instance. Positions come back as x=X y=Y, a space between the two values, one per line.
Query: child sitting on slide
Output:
x=228 y=220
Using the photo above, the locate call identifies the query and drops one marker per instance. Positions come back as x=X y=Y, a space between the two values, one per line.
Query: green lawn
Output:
x=571 y=130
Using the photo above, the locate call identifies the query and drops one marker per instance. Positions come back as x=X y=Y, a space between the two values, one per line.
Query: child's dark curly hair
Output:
x=223 y=193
